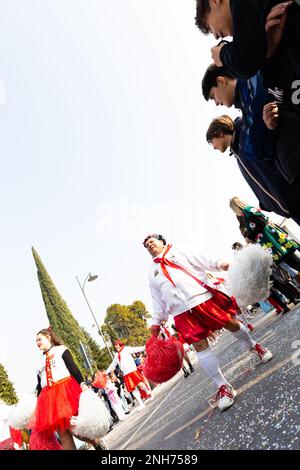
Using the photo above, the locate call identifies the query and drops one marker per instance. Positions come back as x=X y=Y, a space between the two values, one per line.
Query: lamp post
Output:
x=91 y=278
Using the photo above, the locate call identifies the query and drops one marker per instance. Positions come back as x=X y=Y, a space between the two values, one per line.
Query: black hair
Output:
x=210 y=78
x=158 y=237
x=202 y=8
x=237 y=245
x=55 y=340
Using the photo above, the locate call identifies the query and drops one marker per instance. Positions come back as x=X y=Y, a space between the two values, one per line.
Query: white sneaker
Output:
x=264 y=354
x=225 y=397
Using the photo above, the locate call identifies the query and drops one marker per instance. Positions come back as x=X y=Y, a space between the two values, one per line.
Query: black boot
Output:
x=185 y=372
x=191 y=368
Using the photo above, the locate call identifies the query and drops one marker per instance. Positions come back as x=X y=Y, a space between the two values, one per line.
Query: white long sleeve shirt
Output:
x=59 y=369
x=170 y=300
x=126 y=362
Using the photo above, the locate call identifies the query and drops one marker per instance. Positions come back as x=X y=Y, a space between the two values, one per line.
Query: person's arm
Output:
x=202 y=262
x=72 y=367
x=38 y=387
x=112 y=365
x=159 y=308
x=245 y=55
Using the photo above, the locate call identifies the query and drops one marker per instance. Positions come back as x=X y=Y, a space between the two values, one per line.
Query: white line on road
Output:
x=153 y=412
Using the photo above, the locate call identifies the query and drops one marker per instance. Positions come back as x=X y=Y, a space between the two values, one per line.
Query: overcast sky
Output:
x=102 y=129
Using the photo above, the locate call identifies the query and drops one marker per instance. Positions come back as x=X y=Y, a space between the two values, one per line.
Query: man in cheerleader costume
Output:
x=59 y=387
x=178 y=288
x=132 y=377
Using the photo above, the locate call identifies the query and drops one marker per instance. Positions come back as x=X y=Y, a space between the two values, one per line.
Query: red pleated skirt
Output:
x=132 y=380
x=197 y=323
x=56 y=404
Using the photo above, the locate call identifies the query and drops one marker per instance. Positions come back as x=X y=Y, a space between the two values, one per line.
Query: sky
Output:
x=102 y=126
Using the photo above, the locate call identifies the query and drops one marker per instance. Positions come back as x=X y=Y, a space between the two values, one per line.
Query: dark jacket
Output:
x=272 y=191
x=276 y=153
x=246 y=54
x=251 y=97
x=288 y=144
x=283 y=69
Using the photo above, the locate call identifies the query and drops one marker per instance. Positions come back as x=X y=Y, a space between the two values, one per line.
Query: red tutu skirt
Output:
x=132 y=380
x=56 y=404
x=212 y=315
x=43 y=441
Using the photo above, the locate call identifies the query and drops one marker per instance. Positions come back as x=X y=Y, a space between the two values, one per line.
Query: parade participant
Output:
x=132 y=378
x=177 y=288
x=274 y=299
x=259 y=229
x=60 y=384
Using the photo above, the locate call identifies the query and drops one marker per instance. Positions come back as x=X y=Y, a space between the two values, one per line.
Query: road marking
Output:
x=150 y=416
x=240 y=390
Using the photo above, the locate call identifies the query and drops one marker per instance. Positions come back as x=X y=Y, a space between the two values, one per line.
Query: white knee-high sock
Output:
x=243 y=335
x=137 y=395
x=209 y=362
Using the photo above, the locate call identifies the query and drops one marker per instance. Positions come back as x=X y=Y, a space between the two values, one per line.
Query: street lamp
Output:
x=91 y=278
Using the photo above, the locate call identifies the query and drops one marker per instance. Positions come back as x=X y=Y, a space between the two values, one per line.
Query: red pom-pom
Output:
x=164 y=359
x=100 y=380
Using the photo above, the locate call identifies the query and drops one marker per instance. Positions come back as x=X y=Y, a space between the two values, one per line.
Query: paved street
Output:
x=264 y=416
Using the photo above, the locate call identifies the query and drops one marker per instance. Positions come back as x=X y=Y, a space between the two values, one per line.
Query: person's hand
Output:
x=224 y=266
x=215 y=54
x=84 y=387
x=274 y=26
x=155 y=329
x=73 y=420
x=212 y=336
x=270 y=115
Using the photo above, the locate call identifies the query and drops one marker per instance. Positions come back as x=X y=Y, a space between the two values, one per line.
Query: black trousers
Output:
x=292 y=260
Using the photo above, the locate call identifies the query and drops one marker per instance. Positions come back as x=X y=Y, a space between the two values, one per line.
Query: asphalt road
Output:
x=264 y=416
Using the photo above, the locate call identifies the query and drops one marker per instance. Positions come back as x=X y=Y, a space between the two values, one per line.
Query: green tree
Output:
x=129 y=322
x=64 y=324
x=101 y=357
x=7 y=391
x=59 y=315
x=109 y=333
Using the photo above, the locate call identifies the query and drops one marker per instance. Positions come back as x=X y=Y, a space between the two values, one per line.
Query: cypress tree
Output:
x=100 y=357
x=59 y=315
x=7 y=391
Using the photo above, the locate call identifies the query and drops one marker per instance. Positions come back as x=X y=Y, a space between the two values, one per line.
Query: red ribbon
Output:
x=165 y=262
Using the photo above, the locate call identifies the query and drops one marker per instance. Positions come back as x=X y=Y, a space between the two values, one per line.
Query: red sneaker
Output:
x=250 y=326
x=264 y=354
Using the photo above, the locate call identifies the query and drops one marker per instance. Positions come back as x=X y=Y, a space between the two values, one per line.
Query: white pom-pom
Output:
x=23 y=412
x=93 y=418
x=5 y=411
x=249 y=275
